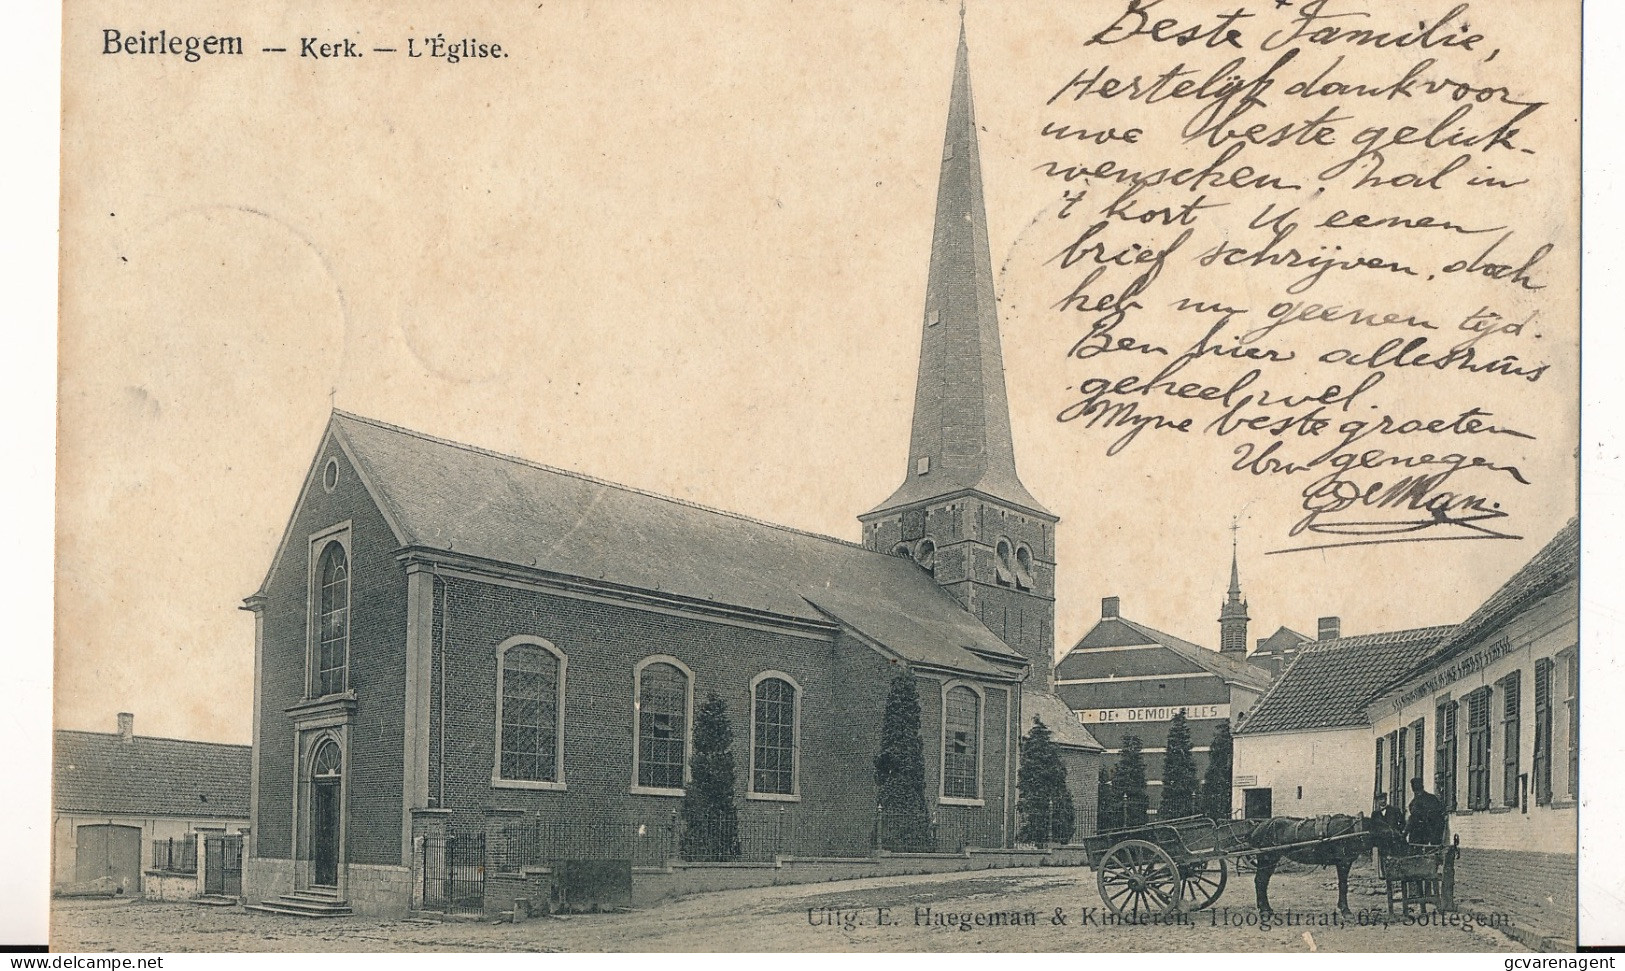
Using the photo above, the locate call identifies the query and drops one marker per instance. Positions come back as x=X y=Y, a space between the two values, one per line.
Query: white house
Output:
x=1305 y=748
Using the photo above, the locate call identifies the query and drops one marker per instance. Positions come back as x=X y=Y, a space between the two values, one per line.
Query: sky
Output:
x=682 y=248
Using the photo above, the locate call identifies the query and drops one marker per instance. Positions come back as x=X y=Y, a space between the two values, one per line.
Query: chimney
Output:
x=1108 y=608
x=126 y=727
x=1330 y=627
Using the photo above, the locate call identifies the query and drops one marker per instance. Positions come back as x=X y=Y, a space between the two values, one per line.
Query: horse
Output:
x=1332 y=840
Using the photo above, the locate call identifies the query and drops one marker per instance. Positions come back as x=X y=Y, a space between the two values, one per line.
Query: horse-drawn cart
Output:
x=1180 y=864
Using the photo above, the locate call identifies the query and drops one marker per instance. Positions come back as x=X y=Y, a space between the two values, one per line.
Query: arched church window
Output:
x=530 y=701
x=663 y=695
x=332 y=621
x=961 y=743
x=773 y=736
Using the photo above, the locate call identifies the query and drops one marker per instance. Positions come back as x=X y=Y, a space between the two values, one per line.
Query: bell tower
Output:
x=962 y=512
x=1233 y=612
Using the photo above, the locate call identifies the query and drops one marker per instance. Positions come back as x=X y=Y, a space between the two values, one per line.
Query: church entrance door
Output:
x=325 y=814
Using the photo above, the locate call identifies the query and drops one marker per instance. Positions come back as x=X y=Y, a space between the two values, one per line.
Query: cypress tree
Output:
x=1129 y=783
x=905 y=822
x=1108 y=808
x=1045 y=805
x=710 y=817
x=1178 y=772
x=1215 y=797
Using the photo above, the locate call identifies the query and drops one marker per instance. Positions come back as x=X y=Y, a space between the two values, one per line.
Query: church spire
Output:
x=1233 y=614
x=961 y=436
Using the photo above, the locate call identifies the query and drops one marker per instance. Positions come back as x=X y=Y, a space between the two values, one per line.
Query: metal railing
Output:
x=648 y=842
x=945 y=832
x=175 y=855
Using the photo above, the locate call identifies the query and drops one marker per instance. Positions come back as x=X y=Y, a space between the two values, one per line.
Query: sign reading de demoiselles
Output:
x=1160 y=713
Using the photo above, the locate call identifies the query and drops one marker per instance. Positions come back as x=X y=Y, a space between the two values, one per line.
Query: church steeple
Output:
x=1233 y=613
x=962 y=513
x=961 y=437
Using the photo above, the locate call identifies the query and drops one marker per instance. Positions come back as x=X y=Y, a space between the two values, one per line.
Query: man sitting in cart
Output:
x=1426 y=820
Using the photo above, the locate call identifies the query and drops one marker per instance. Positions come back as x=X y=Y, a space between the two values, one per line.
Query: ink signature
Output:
x=1438 y=512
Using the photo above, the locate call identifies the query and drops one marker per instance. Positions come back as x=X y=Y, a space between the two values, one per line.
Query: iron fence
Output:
x=650 y=842
x=453 y=875
x=944 y=832
x=175 y=855
x=1047 y=824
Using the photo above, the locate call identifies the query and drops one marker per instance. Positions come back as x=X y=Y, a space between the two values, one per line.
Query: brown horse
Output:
x=1329 y=840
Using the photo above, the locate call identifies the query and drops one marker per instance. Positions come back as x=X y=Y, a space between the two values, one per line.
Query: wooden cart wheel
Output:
x=1138 y=879
x=1203 y=882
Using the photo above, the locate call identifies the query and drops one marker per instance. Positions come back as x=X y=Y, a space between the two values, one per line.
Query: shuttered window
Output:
x=1542 y=764
x=1379 y=797
x=1511 y=696
x=1444 y=754
x=1573 y=703
x=1418 y=734
x=1478 y=749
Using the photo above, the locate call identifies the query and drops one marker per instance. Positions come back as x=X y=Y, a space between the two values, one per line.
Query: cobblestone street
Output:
x=909 y=913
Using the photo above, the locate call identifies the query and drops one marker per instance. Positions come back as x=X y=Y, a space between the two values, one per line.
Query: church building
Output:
x=451 y=641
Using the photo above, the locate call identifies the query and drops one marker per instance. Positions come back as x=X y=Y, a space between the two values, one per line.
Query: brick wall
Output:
x=377 y=671
x=1538 y=891
x=843 y=686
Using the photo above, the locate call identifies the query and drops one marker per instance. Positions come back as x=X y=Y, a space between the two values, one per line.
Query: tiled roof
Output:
x=1328 y=683
x=442 y=495
x=1284 y=638
x=1548 y=571
x=96 y=772
x=1061 y=720
x=1109 y=633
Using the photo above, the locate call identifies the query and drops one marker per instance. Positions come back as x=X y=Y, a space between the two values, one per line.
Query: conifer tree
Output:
x=1214 y=801
x=710 y=816
x=1108 y=808
x=1179 y=782
x=905 y=821
x=1129 y=783
x=1045 y=805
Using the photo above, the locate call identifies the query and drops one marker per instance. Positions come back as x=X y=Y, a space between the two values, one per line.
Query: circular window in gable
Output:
x=330 y=475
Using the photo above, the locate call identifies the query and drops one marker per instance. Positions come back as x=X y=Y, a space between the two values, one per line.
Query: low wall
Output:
x=534 y=886
x=651 y=885
x=167 y=885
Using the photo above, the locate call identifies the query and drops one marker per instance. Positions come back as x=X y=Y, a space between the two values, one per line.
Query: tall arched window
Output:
x=774 y=709
x=332 y=620
x=662 y=725
x=961 y=740
x=530 y=701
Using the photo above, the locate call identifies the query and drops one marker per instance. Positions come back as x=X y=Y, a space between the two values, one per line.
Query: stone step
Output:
x=215 y=900
x=302 y=903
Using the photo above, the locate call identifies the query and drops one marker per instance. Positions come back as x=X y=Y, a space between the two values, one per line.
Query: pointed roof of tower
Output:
x=961 y=437
x=1234 y=606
